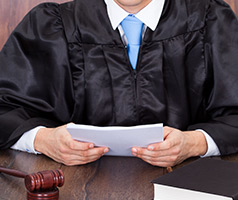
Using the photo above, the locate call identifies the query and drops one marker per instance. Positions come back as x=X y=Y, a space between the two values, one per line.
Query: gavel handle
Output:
x=13 y=172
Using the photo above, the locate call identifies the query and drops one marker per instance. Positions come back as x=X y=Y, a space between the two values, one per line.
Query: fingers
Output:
x=71 y=157
x=78 y=146
x=166 y=153
x=81 y=157
x=163 y=158
x=78 y=153
x=58 y=144
x=82 y=149
x=71 y=144
x=145 y=153
x=165 y=145
x=170 y=142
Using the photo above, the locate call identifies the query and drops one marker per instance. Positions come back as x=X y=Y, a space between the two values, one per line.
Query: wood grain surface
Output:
x=234 y=5
x=12 y=12
x=110 y=178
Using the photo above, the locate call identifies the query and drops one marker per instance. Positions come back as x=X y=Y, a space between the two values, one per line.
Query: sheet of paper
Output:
x=118 y=139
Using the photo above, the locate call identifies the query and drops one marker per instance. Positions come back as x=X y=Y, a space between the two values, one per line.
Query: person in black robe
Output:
x=64 y=63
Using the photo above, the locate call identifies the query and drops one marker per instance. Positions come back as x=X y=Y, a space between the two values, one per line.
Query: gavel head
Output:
x=44 y=180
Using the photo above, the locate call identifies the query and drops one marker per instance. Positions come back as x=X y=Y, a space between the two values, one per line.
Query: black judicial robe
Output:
x=64 y=63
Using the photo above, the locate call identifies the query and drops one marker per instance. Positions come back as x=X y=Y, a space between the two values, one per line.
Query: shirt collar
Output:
x=150 y=15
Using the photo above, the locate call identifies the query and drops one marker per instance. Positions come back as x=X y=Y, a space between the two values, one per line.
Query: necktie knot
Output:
x=132 y=28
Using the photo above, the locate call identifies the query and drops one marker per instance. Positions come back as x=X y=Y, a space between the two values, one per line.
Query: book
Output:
x=203 y=179
x=119 y=139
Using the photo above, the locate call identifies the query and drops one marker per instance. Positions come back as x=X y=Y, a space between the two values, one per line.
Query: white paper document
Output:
x=118 y=139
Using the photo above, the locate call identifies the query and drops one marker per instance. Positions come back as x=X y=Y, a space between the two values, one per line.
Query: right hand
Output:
x=58 y=144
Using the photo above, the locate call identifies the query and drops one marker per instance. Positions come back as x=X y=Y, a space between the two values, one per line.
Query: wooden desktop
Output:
x=110 y=178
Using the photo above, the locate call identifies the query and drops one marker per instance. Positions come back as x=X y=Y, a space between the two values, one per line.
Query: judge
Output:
x=77 y=62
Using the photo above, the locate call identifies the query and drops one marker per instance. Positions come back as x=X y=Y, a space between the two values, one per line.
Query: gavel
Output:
x=41 y=185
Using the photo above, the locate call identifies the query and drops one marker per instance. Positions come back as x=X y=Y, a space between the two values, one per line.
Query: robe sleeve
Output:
x=35 y=79
x=221 y=87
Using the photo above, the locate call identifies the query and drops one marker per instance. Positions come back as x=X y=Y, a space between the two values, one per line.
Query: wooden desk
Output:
x=110 y=178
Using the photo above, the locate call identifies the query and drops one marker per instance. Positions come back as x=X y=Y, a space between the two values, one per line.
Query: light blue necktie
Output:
x=132 y=28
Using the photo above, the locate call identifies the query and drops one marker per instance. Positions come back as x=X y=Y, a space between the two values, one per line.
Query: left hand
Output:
x=176 y=147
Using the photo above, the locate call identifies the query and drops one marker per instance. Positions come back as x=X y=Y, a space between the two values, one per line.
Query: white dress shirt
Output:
x=150 y=16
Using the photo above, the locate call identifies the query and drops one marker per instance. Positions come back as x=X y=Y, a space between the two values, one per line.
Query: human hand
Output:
x=58 y=144
x=176 y=147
